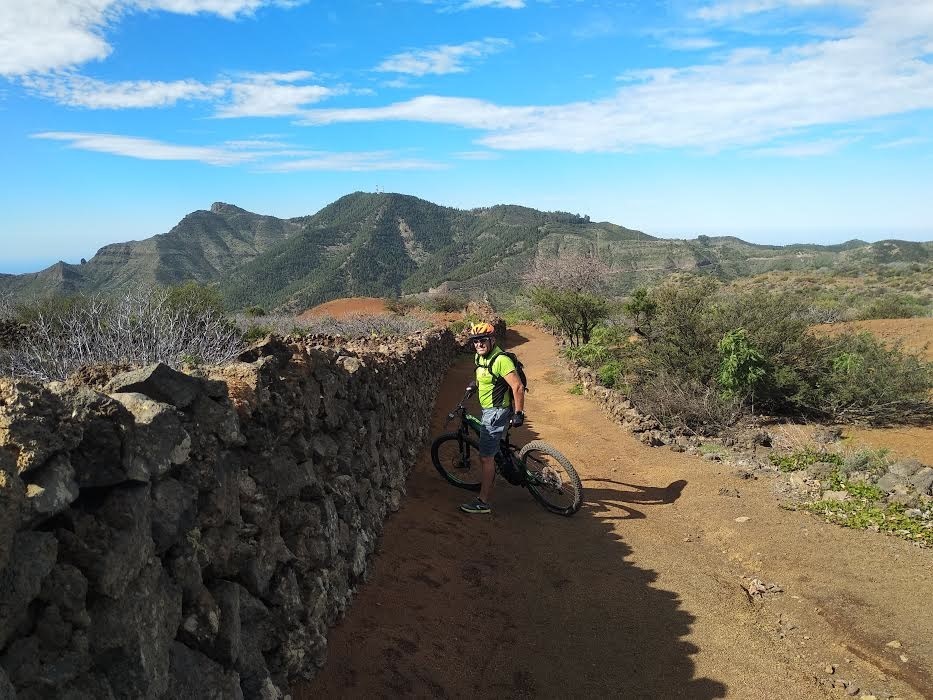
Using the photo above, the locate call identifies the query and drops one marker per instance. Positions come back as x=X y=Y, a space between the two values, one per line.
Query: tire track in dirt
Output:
x=638 y=595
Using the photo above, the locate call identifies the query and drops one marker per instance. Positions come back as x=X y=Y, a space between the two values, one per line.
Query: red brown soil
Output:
x=915 y=334
x=351 y=306
x=639 y=595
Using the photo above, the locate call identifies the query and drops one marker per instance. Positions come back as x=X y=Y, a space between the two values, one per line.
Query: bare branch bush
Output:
x=7 y=309
x=142 y=327
x=577 y=272
x=571 y=290
x=685 y=405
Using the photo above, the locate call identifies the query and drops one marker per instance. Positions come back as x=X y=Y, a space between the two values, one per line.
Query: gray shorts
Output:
x=495 y=421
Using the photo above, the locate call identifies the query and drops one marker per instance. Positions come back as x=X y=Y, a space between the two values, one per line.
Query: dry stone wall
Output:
x=177 y=536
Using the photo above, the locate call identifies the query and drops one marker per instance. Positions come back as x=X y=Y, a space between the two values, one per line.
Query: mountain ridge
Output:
x=380 y=244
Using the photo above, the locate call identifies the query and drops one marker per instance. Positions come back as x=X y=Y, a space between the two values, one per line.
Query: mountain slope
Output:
x=203 y=246
x=377 y=244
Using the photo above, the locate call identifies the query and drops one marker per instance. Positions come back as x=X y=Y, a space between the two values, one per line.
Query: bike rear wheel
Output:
x=457 y=460
x=551 y=478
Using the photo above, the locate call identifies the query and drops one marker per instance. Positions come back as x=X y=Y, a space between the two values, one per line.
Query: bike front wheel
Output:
x=457 y=459
x=551 y=478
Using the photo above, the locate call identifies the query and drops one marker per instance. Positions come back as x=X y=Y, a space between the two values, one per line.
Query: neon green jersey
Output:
x=492 y=389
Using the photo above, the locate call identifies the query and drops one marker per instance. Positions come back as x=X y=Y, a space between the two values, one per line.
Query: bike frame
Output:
x=507 y=451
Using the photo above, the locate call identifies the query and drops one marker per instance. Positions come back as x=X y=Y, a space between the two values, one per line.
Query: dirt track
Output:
x=637 y=596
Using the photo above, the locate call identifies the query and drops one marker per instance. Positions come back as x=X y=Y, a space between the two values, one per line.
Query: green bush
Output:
x=864 y=381
x=741 y=366
x=255 y=311
x=576 y=313
x=196 y=297
x=445 y=303
x=399 y=305
x=610 y=373
x=894 y=306
x=256 y=332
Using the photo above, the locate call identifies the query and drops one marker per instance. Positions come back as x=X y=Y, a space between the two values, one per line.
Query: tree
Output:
x=641 y=308
x=570 y=288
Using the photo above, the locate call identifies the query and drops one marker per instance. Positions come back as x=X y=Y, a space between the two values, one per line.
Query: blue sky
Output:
x=777 y=121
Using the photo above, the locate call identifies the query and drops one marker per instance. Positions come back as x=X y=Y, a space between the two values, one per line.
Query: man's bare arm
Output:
x=517 y=389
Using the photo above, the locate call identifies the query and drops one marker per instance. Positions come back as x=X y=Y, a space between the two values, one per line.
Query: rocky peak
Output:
x=224 y=208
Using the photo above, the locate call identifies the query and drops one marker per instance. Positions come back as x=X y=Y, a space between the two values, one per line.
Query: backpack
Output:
x=519 y=369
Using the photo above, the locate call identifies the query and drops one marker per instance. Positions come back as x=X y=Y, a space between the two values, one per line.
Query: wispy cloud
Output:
x=695 y=43
x=746 y=98
x=804 y=150
x=361 y=161
x=252 y=95
x=441 y=60
x=478 y=155
x=507 y=4
x=274 y=95
x=146 y=149
x=46 y=35
x=733 y=9
x=267 y=155
x=904 y=143
x=79 y=91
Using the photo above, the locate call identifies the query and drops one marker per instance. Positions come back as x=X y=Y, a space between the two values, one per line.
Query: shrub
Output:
x=255 y=311
x=445 y=303
x=741 y=366
x=256 y=332
x=610 y=373
x=893 y=306
x=139 y=328
x=194 y=297
x=399 y=305
x=864 y=381
x=686 y=405
x=575 y=313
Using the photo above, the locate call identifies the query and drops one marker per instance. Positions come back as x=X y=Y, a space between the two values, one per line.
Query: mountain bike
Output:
x=537 y=466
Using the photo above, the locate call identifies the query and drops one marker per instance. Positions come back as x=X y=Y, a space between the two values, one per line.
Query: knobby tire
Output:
x=446 y=453
x=551 y=498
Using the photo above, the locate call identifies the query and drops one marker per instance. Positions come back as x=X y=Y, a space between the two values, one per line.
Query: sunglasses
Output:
x=480 y=341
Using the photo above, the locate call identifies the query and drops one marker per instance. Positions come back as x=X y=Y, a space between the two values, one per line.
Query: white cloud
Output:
x=79 y=91
x=146 y=149
x=750 y=97
x=691 y=43
x=507 y=4
x=903 y=143
x=461 y=111
x=45 y=35
x=804 y=150
x=361 y=161
x=264 y=95
x=478 y=155
x=733 y=9
x=253 y=95
x=267 y=155
x=441 y=59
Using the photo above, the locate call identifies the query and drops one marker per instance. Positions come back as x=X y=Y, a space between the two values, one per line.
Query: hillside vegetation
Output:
x=381 y=244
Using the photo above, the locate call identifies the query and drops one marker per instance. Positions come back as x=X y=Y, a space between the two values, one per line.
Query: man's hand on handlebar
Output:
x=518 y=419
x=471 y=387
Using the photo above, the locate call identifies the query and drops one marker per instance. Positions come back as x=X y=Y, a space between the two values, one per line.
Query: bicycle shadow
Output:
x=521 y=604
x=605 y=500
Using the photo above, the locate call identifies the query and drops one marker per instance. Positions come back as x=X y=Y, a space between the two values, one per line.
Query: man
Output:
x=495 y=375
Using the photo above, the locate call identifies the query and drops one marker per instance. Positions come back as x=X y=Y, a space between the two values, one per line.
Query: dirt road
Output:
x=639 y=595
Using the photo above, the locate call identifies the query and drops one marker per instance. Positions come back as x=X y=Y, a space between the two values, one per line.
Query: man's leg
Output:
x=488 y=478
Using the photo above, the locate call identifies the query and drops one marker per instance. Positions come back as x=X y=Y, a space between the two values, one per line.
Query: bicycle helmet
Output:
x=481 y=330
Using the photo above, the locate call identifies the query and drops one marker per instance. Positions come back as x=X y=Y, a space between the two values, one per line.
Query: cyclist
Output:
x=495 y=375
